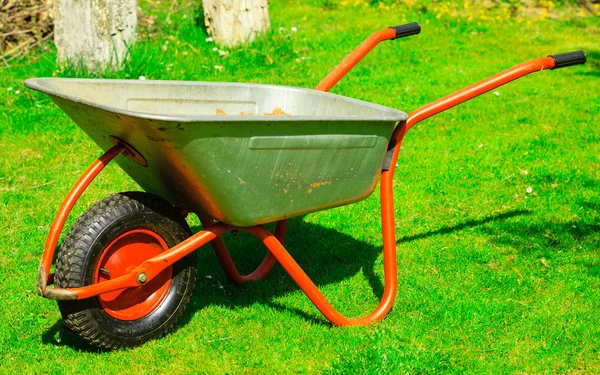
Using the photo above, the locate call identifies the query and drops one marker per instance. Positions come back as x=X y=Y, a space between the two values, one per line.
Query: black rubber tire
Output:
x=79 y=255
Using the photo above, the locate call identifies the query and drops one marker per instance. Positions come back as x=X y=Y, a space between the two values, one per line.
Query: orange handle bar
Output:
x=477 y=89
x=468 y=93
x=363 y=49
x=461 y=96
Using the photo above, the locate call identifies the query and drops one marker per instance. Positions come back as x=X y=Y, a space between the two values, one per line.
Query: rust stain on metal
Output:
x=157 y=139
x=41 y=281
x=321 y=183
x=277 y=112
x=221 y=112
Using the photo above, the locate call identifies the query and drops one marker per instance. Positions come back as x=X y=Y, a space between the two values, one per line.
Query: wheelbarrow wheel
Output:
x=110 y=239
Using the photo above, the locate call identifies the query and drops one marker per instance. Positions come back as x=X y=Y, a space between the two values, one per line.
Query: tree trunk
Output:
x=233 y=22
x=95 y=34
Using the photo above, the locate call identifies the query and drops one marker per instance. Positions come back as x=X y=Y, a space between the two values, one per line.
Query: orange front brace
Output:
x=44 y=276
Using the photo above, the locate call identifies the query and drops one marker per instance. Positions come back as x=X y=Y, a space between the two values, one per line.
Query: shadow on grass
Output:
x=59 y=335
x=593 y=269
x=326 y=255
x=461 y=226
x=547 y=239
x=550 y=238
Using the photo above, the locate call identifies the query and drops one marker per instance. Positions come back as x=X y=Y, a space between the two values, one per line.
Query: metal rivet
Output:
x=141 y=278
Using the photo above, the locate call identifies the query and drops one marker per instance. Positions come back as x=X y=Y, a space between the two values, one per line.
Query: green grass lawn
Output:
x=492 y=279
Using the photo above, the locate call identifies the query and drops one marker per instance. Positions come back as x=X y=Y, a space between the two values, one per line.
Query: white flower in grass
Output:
x=497 y=93
x=9 y=89
x=223 y=53
x=294 y=29
x=208 y=40
x=18 y=92
x=529 y=190
x=281 y=29
x=218 y=67
x=142 y=78
x=215 y=49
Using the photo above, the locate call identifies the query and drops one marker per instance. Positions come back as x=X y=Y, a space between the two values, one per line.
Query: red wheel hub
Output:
x=122 y=255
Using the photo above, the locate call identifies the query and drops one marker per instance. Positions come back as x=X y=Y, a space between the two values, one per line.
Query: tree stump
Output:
x=95 y=34
x=234 y=22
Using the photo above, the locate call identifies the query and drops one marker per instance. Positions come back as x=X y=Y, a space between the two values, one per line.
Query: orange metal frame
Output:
x=274 y=242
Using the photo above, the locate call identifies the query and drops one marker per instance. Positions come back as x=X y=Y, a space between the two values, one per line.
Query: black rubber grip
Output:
x=406 y=30
x=568 y=59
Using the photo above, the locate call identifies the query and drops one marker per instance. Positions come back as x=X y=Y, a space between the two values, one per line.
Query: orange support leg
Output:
x=227 y=263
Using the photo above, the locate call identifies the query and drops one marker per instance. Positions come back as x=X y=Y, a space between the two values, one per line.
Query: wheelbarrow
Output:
x=238 y=156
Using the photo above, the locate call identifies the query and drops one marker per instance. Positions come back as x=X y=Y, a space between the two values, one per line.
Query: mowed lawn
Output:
x=497 y=207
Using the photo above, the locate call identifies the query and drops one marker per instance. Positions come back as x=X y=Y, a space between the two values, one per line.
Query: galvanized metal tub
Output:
x=243 y=154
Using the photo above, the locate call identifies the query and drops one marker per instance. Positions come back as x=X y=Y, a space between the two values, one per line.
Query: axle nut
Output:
x=141 y=278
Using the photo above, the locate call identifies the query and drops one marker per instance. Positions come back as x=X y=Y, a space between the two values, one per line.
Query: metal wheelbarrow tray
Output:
x=272 y=152
x=240 y=154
